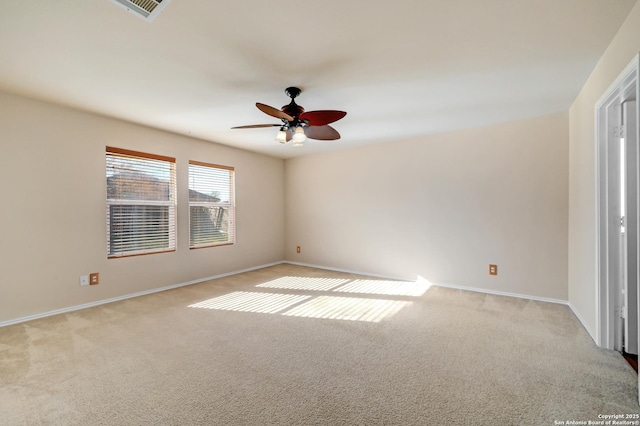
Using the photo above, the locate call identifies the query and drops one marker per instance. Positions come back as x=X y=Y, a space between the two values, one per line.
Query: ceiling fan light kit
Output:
x=298 y=125
x=282 y=135
x=299 y=137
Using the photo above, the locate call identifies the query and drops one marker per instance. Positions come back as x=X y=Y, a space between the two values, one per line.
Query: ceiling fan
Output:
x=298 y=125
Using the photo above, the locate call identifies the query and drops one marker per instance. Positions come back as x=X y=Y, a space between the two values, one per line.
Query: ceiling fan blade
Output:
x=322 y=117
x=289 y=134
x=274 y=112
x=323 y=133
x=256 y=126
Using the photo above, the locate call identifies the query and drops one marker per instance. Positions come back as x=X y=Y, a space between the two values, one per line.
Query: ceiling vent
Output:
x=146 y=9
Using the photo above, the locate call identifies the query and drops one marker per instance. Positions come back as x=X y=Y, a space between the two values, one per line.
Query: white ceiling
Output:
x=400 y=68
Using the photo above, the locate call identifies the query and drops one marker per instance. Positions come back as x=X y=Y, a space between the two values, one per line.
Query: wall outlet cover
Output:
x=493 y=269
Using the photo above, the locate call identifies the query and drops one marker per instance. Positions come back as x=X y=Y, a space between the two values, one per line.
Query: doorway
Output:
x=618 y=198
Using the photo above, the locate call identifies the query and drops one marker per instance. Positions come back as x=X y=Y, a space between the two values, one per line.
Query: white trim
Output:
x=457 y=287
x=346 y=271
x=584 y=324
x=502 y=293
x=130 y=296
x=328 y=268
x=604 y=304
x=627 y=74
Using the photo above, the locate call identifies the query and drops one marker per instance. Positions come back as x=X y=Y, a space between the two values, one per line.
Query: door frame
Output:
x=608 y=113
x=631 y=224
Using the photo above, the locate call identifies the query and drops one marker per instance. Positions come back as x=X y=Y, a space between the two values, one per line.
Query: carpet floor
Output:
x=290 y=345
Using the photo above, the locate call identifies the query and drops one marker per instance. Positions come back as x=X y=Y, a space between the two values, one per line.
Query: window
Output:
x=141 y=203
x=211 y=205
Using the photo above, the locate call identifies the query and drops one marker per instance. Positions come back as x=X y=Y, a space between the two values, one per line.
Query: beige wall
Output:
x=52 y=220
x=582 y=183
x=443 y=207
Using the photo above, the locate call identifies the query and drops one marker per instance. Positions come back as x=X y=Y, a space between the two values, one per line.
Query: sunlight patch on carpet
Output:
x=392 y=288
x=244 y=301
x=347 y=308
x=304 y=283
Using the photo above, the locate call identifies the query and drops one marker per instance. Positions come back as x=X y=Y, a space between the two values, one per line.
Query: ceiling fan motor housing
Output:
x=293 y=109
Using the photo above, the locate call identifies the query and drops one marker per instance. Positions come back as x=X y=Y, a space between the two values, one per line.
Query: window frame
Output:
x=231 y=205
x=171 y=203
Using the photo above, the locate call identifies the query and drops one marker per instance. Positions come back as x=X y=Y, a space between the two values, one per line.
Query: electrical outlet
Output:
x=94 y=278
x=298 y=249
x=493 y=269
x=84 y=280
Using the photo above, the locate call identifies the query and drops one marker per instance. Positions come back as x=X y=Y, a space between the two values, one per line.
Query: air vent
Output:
x=146 y=9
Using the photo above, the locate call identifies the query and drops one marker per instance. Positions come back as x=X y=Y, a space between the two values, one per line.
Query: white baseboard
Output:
x=503 y=293
x=584 y=324
x=478 y=290
x=129 y=296
x=346 y=271
x=457 y=287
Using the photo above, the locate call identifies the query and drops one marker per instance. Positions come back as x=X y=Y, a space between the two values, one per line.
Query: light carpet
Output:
x=290 y=345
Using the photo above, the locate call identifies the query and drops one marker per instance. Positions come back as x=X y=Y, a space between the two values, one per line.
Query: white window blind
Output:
x=211 y=205
x=141 y=203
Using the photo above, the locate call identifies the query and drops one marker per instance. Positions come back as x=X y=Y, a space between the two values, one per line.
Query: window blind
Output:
x=141 y=203
x=211 y=205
